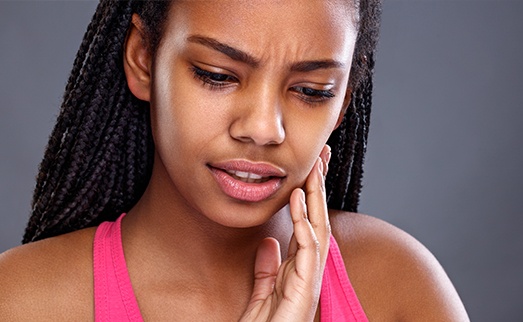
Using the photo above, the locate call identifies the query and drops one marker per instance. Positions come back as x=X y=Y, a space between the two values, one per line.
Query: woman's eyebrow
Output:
x=241 y=56
x=233 y=53
x=308 y=66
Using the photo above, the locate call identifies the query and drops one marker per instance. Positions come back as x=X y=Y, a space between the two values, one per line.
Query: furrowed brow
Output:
x=308 y=66
x=232 y=52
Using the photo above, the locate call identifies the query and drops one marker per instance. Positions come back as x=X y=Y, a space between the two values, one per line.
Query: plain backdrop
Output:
x=445 y=148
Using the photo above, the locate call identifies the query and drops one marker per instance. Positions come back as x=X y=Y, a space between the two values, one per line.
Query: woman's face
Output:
x=244 y=96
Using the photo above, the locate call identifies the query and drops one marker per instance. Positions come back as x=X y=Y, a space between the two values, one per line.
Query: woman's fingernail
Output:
x=320 y=165
x=303 y=204
x=328 y=154
x=302 y=196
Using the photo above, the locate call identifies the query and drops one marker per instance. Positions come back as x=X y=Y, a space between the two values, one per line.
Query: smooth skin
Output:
x=195 y=253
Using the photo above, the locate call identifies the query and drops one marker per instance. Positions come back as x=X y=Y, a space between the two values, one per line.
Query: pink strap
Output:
x=113 y=294
x=338 y=301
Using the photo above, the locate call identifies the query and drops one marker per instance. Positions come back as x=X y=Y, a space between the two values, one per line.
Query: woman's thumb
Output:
x=268 y=261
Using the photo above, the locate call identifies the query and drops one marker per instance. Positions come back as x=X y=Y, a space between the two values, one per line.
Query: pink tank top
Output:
x=114 y=299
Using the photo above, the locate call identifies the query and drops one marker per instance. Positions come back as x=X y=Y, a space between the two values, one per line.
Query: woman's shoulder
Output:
x=393 y=274
x=49 y=279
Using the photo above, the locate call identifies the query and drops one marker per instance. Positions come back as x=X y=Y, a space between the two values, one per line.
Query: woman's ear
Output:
x=346 y=102
x=137 y=60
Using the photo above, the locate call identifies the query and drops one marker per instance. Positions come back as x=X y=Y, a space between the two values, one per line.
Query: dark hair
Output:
x=99 y=157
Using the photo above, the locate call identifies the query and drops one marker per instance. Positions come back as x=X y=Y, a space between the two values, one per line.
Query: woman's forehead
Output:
x=342 y=11
x=293 y=28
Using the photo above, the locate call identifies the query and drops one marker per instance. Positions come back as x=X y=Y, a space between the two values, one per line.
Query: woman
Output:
x=206 y=122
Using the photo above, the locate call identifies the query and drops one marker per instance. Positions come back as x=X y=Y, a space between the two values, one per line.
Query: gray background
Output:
x=444 y=155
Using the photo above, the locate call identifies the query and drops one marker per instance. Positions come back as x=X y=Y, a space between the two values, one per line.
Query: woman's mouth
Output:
x=247 y=177
x=247 y=181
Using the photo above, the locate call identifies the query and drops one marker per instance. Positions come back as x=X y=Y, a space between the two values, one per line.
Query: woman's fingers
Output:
x=305 y=248
x=298 y=214
x=310 y=216
x=299 y=279
x=317 y=207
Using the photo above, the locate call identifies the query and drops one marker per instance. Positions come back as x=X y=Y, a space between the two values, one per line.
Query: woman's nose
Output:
x=259 y=119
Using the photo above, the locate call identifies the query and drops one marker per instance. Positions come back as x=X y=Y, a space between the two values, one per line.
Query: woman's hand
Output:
x=289 y=291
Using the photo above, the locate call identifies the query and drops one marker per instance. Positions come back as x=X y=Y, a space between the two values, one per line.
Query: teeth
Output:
x=247 y=176
x=254 y=176
x=241 y=174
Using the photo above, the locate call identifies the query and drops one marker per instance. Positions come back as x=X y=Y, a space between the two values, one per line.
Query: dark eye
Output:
x=311 y=95
x=212 y=79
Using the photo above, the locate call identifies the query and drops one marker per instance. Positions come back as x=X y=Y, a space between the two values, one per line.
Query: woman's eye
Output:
x=311 y=95
x=214 y=80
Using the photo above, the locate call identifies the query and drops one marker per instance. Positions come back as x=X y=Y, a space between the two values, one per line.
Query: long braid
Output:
x=349 y=141
x=84 y=179
x=53 y=149
x=364 y=101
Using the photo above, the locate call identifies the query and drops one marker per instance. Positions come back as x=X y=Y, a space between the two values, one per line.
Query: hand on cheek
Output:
x=290 y=291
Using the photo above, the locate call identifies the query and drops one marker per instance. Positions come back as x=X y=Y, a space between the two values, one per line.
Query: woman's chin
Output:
x=248 y=218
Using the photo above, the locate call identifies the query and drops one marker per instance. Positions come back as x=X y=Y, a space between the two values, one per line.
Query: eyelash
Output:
x=220 y=80
x=313 y=96
x=217 y=81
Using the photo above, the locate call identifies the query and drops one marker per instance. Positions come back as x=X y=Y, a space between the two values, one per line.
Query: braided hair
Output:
x=99 y=158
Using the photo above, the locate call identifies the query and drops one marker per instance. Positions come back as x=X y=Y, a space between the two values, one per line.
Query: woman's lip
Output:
x=259 y=168
x=247 y=191
x=244 y=191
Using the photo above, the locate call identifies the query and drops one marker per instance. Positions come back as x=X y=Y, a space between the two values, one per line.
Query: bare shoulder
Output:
x=394 y=275
x=49 y=279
